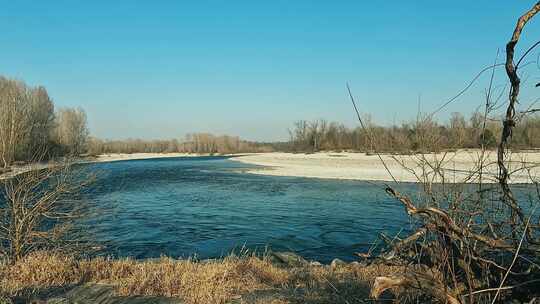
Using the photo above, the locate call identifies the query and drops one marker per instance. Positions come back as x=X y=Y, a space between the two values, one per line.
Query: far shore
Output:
x=102 y=158
x=455 y=167
x=459 y=166
x=112 y=157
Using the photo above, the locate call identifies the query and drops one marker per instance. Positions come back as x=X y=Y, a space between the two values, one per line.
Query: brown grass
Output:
x=244 y=279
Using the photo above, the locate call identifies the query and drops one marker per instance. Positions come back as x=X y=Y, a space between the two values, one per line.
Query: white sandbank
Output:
x=455 y=167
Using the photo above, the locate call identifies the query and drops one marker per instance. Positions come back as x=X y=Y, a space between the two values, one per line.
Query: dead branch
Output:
x=509 y=122
x=423 y=281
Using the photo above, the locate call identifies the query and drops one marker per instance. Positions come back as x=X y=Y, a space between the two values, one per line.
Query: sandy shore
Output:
x=456 y=166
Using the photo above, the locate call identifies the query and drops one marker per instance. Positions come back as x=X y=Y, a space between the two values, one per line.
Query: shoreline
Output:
x=453 y=167
x=456 y=167
x=114 y=157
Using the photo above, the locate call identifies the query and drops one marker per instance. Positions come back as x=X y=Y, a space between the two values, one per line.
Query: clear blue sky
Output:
x=160 y=69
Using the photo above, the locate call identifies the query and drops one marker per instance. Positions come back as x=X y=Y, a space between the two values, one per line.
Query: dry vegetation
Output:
x=245 y=279
x=471 y=243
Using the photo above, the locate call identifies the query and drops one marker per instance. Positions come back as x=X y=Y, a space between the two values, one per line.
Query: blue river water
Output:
x=207 y=207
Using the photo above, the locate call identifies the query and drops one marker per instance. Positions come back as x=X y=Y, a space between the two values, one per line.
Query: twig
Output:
x=370 y=134
x=515 y=256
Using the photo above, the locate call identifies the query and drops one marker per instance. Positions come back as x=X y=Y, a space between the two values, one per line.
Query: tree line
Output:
x=30 y=127
x=423 y=134
x=205 y=143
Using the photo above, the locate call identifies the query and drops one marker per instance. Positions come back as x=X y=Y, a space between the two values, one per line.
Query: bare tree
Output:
x=26 y=122
x=13 y=119
x=40 y=124
x=458 y=130
x=38 y=210
x=72 y=130
x=471 y=243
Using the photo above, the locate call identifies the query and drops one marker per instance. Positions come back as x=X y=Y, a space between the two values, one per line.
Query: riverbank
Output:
x=274 y=278
x=452 y=167
x=455 y=167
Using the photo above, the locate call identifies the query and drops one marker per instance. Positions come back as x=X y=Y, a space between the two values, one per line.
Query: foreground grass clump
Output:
x=245 y=279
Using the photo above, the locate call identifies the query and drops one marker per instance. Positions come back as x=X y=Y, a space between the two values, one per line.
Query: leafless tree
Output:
x=39 y=210
x=13 y=119
x=72 y=130
x=40 y=124
x=203 y=143
x=471 y=243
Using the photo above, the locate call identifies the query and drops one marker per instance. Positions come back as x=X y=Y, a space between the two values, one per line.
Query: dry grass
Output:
x=245 y=279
